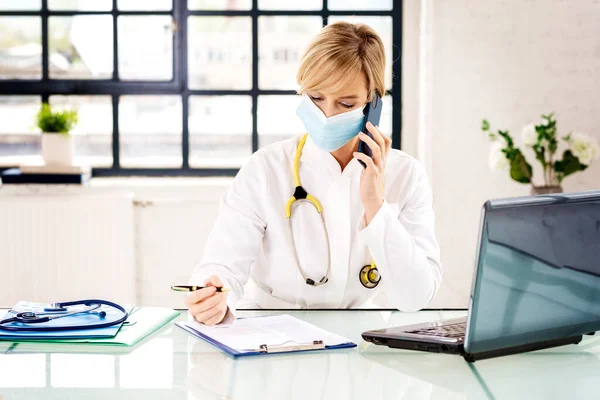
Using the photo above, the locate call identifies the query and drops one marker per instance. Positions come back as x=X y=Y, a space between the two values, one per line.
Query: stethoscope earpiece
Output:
x=369 y=276
x=311 y=282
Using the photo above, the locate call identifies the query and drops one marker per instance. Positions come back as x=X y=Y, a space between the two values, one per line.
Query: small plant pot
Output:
x=57 y=149
x=537 y=190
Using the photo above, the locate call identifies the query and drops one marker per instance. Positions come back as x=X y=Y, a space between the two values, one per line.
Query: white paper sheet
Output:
x=248 y=334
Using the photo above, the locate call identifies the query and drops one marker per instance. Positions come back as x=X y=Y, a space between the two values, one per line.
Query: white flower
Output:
x=584 y=147
x=529 y=135
x=498 y=160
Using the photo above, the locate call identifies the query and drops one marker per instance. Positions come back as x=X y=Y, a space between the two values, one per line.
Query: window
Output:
x=170 y=87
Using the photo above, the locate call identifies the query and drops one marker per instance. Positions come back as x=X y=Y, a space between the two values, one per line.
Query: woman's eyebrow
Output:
x=349 y=97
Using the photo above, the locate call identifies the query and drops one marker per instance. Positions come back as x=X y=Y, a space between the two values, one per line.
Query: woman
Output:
x=379 y=213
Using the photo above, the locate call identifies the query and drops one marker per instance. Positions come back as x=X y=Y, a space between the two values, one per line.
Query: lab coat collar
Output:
x=313 y=155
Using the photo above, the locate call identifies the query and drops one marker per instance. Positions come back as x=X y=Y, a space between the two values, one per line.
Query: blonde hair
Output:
x=339 y=53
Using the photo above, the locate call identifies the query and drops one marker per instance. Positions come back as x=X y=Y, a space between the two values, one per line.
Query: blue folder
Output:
x=208 y=335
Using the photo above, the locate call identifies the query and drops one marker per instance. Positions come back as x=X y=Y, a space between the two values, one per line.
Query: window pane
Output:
x=80 y=5
x=93 y=132
x=81 y=47
x=17 y=114
x=146 y=5
x=20 y=5
x=146 y=47
x=150 y=131
x=219 y=4
x=220 y=52
x=220 y=130
x=277 y=119
x=383 y=27
x=19 y=143
x=282 y=42
x=20 y=48
x=290 y=5
x=360 y=4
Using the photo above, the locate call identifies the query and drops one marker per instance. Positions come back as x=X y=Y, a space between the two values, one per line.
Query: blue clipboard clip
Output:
x=284 y=347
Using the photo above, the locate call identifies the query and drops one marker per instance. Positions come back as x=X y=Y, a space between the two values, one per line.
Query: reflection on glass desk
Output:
x=175 y=365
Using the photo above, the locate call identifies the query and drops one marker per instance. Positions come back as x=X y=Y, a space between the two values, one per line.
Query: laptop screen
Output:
x=538 y=274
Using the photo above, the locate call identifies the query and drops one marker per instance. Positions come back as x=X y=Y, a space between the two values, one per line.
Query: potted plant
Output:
x=58 y=146
x=580 y=150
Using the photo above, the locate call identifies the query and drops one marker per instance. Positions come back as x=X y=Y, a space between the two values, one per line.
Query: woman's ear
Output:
x=369 y=100
x=371 y=96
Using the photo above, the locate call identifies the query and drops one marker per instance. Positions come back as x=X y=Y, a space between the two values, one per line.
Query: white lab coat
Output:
x=250 y=249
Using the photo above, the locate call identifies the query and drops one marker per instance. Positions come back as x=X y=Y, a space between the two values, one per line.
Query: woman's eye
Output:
x=315 y=98
x=347 y=105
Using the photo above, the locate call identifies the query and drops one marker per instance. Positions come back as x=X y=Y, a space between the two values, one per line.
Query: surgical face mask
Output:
x=330 y=133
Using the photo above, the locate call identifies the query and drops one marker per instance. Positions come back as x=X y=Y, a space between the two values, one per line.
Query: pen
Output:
x=184 y=288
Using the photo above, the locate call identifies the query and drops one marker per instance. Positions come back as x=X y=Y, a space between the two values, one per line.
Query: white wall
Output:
x=508 y=61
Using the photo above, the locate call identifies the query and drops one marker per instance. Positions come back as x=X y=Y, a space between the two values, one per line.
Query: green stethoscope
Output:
x=369 y=274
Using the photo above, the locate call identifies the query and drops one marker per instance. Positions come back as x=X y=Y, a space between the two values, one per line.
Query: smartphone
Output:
x=372 y=115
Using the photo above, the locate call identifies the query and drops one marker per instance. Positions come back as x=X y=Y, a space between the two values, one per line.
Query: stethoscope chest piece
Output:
x=369 y=276
x=28 y=315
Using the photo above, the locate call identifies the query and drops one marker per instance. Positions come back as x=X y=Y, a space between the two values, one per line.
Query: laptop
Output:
x=536 y=282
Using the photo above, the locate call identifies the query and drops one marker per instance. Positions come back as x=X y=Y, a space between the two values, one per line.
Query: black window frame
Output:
x=178 y=85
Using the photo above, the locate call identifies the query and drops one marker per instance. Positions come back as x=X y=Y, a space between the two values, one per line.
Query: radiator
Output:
x=60 y=244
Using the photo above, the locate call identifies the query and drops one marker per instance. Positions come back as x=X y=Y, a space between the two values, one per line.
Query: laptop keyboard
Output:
x=453 y=330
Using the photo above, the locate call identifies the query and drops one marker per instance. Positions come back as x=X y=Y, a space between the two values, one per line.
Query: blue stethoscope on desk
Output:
x=29 y=320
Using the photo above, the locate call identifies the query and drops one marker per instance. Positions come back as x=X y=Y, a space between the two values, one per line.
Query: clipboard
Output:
x=267 y=335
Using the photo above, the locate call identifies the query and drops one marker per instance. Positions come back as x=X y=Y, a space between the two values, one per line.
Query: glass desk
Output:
x=171 y=364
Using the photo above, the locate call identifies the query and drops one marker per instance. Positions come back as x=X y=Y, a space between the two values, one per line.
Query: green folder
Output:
x=142 y=322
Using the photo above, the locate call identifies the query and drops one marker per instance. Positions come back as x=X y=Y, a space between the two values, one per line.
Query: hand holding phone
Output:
x=372 y=115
